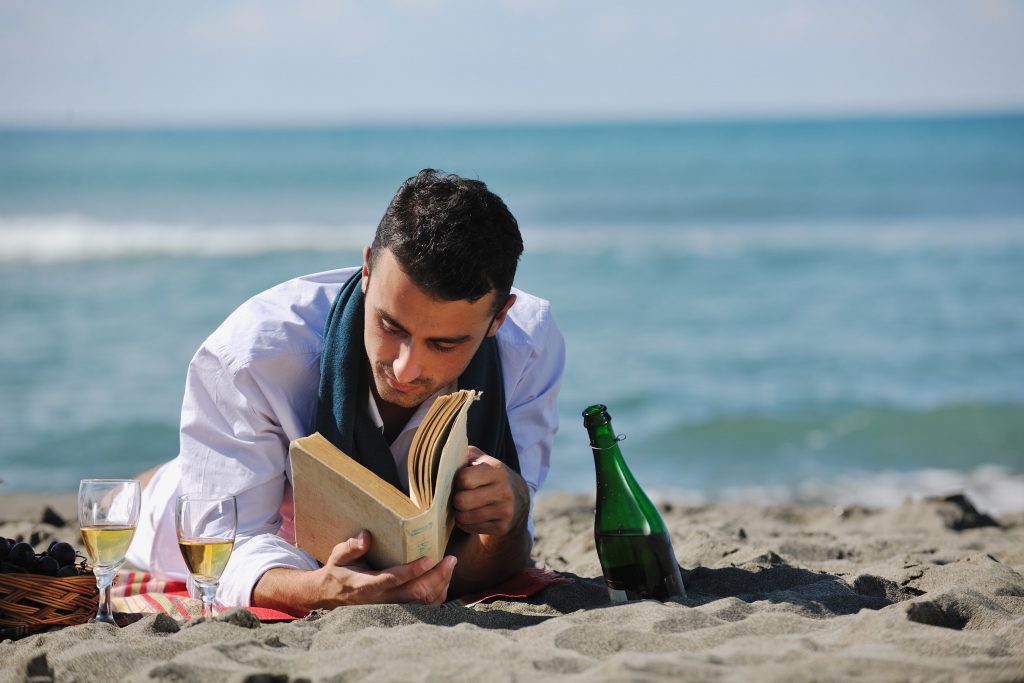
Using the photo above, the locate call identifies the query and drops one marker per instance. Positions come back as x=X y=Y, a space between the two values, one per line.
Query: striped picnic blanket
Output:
x=141 y=593
x=137 y=592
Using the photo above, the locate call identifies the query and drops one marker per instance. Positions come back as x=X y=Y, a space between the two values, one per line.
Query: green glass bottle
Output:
x=632 y=541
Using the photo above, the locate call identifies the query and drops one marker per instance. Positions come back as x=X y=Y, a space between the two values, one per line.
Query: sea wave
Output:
x=74 y=237
x=71 y=237
x=992 y=488
x=956 y=436
x=981 y=236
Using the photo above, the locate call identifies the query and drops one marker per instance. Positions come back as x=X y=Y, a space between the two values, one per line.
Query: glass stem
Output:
x=209 y=591
x=103 y=581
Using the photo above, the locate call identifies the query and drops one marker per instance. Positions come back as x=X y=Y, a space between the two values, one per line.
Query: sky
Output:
x=405 y=61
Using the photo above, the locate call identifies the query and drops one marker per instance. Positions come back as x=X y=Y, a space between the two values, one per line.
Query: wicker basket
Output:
x=28 y=600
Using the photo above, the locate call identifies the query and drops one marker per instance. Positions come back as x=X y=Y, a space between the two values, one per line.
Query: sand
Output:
x=929 y=591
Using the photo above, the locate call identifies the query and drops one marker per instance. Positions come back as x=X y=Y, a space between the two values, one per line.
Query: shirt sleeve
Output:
x=231 y=444
x=532 y=402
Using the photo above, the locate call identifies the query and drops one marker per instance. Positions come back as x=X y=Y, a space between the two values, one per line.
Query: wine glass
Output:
x=206 y=535
x=108 y=512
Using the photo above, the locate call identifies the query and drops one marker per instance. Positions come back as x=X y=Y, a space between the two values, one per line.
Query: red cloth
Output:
x=141 y=593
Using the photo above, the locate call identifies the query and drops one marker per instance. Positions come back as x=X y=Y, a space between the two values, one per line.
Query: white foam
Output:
x=983 y=235
x=73 y=237
x=70 y=237
x=993 y=489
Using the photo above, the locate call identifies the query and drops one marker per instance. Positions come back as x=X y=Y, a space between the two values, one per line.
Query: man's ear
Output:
x=366 y=269
x=502 y=314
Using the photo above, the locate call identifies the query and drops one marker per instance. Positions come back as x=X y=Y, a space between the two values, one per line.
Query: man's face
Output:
x=415 y=343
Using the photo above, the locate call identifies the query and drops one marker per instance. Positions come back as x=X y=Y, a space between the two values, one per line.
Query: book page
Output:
x=452 y=459
x=426 y=449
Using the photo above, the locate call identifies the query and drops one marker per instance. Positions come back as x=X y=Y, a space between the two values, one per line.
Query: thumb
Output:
x=351 y=550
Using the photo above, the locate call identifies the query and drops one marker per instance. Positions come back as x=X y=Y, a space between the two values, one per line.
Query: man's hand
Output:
x=490 y=499
x=492 y=505
x=345 y=580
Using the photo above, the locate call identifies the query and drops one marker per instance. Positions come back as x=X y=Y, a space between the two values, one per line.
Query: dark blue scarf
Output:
x=341 y=412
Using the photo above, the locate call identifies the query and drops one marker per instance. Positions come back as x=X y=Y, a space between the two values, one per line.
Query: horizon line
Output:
x=322 y=123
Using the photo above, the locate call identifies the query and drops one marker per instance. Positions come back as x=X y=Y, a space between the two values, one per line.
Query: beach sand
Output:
x=928 y=591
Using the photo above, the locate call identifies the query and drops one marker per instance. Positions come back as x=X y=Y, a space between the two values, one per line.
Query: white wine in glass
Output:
x=108 y=512
x=206 y=558
x=206 y=535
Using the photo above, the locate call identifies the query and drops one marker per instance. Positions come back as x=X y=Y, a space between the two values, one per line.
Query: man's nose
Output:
x=407 y=366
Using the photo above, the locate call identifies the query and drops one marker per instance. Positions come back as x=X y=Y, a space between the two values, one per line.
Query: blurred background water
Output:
x=783 y=310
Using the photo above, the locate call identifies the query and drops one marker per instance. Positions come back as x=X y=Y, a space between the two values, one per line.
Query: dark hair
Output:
x=455 y=238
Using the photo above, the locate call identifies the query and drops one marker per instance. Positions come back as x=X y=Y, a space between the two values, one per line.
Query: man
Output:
x=359 y=355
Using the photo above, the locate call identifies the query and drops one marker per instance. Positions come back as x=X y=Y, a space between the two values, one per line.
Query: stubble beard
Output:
x=426 y=387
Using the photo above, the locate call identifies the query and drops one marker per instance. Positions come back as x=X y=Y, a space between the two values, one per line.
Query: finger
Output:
x=423 y=588
x=478 y=457
x=351 y=550
x=442 y=593
x=481 y=515
x=429 y=589
x=479 y=473
x=400 y=575
x=472 y=499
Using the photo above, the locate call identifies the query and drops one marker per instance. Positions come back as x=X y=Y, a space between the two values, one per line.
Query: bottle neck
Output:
x=605 y=445
x=602 y=436
x=599 y=426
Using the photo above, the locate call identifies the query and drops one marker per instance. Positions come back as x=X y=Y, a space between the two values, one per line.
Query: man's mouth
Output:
x=399 y=386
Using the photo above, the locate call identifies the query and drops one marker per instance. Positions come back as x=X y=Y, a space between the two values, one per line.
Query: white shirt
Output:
x=251 y=389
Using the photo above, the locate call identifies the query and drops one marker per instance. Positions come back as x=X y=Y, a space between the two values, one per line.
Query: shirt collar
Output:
x=417 y=417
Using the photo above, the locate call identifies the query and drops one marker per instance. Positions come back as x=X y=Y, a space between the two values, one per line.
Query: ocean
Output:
x=822 y=311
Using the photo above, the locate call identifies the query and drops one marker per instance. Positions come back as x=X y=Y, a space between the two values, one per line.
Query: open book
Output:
x=335 y=496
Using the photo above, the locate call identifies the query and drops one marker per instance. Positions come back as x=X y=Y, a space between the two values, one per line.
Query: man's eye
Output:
x=388 y=329
x=445 y=348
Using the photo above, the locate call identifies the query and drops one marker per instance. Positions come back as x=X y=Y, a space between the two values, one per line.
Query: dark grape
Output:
x=45 y=565
x=63 y=552
x=22 y=555
x=18 y=557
